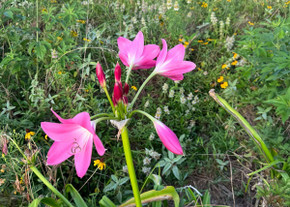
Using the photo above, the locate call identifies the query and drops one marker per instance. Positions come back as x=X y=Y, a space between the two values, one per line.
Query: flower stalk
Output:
x=130 y=165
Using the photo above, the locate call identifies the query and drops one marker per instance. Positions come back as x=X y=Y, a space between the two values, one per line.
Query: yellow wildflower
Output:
x=221 y=78
x=21 y=180
x=269 y=7
x=235 y=33
x=235 y=56
x=210 y=40
x=250 y=23
x=87 y=40
x=28 y=134
x=205 y=43
x=288 y=2
x=87 y=90
x=204 y=5
x=224 y=85
x=228 y=0
x=73 y=33
x=224 y=66
x=2 y=170
x=53 y=1
x=199 y=69
x=191 y=49
x=45 y=137
x=44 y=10
x=199 y=41
x=15 y=192
x=59 y=38
x=134 y=88
x=59 y=72
x=81 y=21
x=186 y=43
x=101 y=165
x=214 y=9
x=234 y=63
x=180 y=40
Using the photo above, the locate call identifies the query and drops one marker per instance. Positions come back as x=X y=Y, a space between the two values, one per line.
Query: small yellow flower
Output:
x=53 y=1
x=224 y=85
x=192 y=8
x=44 y=10
x=221 y=78
x=29 y=134
x=2 y=170
x=269 y=7
x=185 y=46
x=180 y=40
x=199 y=69
x=101 y=165
x=59 y=72
x=21 y=180
x=205 y=43
x=214 y=9
x=228 y=0
x=288 y=2
x=87 y=90
x=199 y=41
x=73 y=33
x=191 y=49
x=234 y=63
x=235 y=33
x=59 y=38
x=235 y=56
x=45 y=137
x=186 y=43
x=204 y=5
x=134 y=88
x=101 y=42
x=87 y=40
x=250 y=23
x=210 y=40
x=15 y=192
x=224 y=66
x=81 y=21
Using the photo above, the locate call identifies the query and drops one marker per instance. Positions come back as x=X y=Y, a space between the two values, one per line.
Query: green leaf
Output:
x=166 y=168
x=266 y=167
x=75 y=196
x=168 y=193
x=175 y=171
x=35 y=202
x=47 y=201
x=9 y=14
x=206 y=199
x=106 y=202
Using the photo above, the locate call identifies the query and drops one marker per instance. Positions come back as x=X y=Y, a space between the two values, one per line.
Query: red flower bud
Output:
x=114 y=101
x=118 y=95
x=101 y=75
x=118 y=73
x=126 y=89
x=125 y=100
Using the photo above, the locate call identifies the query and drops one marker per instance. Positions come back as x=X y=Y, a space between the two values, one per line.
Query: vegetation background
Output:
x=241 y=48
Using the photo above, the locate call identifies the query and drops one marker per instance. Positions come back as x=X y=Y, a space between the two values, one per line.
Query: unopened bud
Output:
x=126 y=89
x=101 y=75
x=118 y=95
x=125 y=100
x=118 y=73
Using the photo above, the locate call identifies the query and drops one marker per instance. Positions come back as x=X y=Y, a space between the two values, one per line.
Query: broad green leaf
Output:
x=9 y=14
x=106 y=202
x=47 y=201
x=75 y=196
x=175 y=171
x=168 y=193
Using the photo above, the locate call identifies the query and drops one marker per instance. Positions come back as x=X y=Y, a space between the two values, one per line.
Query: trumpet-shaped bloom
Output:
x=171 y=64
x=135 y=54
x=168 y=138
x=73 y=137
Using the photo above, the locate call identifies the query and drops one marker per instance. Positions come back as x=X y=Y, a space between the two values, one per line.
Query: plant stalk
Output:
x=128 y=73
x=130 y=165
x=48 y=184
x=109 y=98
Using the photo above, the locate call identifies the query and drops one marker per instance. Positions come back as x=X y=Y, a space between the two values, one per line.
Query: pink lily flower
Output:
x=135 y=54
x=168 y=138
x=73 y=137
x=170 y=63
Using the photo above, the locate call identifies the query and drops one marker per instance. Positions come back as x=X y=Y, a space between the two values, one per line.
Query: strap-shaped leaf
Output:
x=168 y=193
x=47 y=201
x=75 y=195
x=106 y=202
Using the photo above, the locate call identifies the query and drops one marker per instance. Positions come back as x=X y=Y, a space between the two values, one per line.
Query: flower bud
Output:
x=118 y=95
x=101 y=75
x=125 y=100
x=118 y=73
x=126 y=89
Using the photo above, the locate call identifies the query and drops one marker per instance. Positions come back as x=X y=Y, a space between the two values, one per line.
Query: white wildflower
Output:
x=146 y=170
x=53 y=54
x=205 y=73
x=155 y=155
x=230 y=42
x=222 y=26
x=181 y=90
x=146 y=104
x=143 y=22
x=165 y=88
x=171 y=93
x=182 y=99
x=190 y=96
x=193 y=108
x=158 y=113
x=134 y=20
x=166 y=110
x=146 y=161
x=191 y=124
x=228 y=21
x=187 y=112
x=152 y=136
x=148 y=151
x=176 y=6
x=125 y=169
x=189 y=14
x=213 y=19
x=188 y=1
x=169 y=4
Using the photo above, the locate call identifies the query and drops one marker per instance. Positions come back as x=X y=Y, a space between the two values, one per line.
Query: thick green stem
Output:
x=48 y=184
x=140 y=89
x=130 y=165
x=100 y=115
x=109 y=98
x=128 y=73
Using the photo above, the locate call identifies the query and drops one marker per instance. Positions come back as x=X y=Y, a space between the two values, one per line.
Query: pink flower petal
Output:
x=123 y=43
x=162 y=55
x=137 y=46
x=59 y=152
x=83 y=159
x=178 y=68
x=176 y=53
x=99 y=145
x=168 y=138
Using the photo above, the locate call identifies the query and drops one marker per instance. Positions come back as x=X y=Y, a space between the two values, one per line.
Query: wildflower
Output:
x=45 y=137
x=250 y=23
x=125 y=169
x=81 y=21
x=213 y=19
x=167 y=137
x=269 y=7
x=54 y=54
x=73 y=33
x=158 y=113
x=100 y=75
x=181 y=90
x=29 y=134
x=220 y=79
x=101 y=165
x=143 y=22
x=182 y=99
x=224 y=85
x=146 y=170
x=228 y=21
x=210 y=40
x=44 y=10
x=190 y=96
x=171 y=93
x=176 y=6
x=134 y=54
x=228 y=0
x=59 y=72
x=222 y=26
x=205 y=73
x=199 y=41
x=234 y=62
x=2 y=181
x=214 y=9
x=146 y=161
x=224 y=66
x=146 y=104
x=2 y=170
x=155 y=155
x=87 y=40
x=148 y=152
x=169 y=4
x=230 y=42
x=152 y=136
x=166 y=110
x=186 y=43
x=134 y=88
x=204 y=5
x=191 y=123
x=170 y=63
x=189 y=14
x=165 y=88
x=188 y=1
x=73 y=137
x=205 y=43
x=235 y=55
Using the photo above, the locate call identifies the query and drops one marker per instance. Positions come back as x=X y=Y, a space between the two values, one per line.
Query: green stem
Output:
x=109 y=98
x=100 y=115
x=48 y=184
x=103 y=119
x=130 y=165
x=140 y=89
x=142 y=112
x=128 y=73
